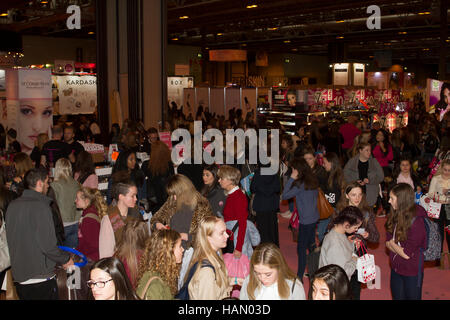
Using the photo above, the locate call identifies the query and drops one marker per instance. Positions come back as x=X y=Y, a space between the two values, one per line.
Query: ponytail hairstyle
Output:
x=406 y=210
x=95 y=197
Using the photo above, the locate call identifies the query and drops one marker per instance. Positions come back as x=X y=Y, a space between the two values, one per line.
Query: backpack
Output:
x=432 y=251
x=183 y=294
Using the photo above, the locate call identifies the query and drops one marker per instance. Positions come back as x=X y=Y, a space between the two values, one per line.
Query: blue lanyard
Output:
x=82 y=256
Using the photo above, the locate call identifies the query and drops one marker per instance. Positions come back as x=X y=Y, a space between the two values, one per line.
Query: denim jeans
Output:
x=406 y=288
x=71 y=235
x=322 y=228
x=306 y=241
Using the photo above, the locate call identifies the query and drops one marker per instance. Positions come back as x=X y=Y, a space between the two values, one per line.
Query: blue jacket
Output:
x=306 y=202
x=266 y=189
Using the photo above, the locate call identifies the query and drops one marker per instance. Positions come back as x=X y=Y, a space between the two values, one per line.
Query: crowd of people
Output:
x=50 y=200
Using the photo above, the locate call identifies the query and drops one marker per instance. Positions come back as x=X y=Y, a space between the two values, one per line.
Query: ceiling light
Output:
x=220 y=34
x=402 y=32
x=287 y=41
x=252 y=6
x=44 y=2
x=340 y=21
x=91 y=32
x=340 y=37
x=272 y=29
x=184 y=17
x=295 y=49
x=174 y=39
x=4 y=15
x=244 y=44
x=426 y=12
x=425 y=49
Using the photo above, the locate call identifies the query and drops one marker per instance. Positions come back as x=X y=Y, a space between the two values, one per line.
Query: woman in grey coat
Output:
x=366 y=170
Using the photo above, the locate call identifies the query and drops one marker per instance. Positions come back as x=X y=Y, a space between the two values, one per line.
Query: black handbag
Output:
x=230 y=242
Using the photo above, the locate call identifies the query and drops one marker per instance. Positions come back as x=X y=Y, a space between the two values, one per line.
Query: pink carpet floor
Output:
x=436 y=284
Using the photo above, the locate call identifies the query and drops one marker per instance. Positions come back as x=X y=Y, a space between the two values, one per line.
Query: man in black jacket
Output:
x=32 y=241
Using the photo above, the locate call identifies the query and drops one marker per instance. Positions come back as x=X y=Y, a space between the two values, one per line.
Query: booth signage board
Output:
x=340 y=74
x=175 y=87
x=262 y=59
x=358 y=74
x=182 y=69
x=77 y=94
x=227 y=55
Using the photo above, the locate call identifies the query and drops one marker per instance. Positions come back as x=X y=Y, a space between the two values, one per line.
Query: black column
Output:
x=442 y=40
x=102 y=69
x=134 y=74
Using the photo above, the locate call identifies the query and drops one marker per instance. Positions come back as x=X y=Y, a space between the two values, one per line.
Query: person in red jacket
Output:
x=236 y=206
x=94 y=207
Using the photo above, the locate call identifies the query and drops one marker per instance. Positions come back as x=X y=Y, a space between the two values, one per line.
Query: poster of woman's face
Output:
x=33 y=117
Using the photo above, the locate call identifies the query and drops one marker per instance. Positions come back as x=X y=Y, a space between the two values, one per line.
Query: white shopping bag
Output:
x=365 y=265
x=432 y=208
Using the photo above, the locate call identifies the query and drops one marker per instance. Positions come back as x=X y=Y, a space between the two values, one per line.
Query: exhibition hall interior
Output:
x=353 y=95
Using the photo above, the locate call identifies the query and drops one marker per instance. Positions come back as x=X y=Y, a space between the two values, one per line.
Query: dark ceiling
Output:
x=410 y=29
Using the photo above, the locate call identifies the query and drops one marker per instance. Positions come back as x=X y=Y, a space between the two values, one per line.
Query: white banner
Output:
x=77 y=94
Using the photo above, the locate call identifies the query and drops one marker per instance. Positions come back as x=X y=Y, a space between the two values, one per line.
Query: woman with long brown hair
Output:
x=270 y=277
x=405 y=237
x=159 y=267
x=183 y=211
x=158 y=171
x=131 y=247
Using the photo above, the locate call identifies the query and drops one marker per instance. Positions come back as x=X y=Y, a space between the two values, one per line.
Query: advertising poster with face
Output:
x=189 y=102
x=29 y=104
x=2 y=80
x=77 y=94
x=249 y=101
x=438 y=97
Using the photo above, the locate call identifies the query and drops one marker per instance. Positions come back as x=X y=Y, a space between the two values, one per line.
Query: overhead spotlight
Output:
x=252 y=6
x=175 y=39
x=340 y=37
x=340 y=21
x=287 y=41
x=424 y=13
x=184 y=17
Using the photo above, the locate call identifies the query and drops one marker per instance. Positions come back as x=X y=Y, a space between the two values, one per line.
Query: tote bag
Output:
x=365 y=266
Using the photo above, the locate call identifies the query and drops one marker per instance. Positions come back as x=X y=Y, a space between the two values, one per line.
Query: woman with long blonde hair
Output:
x=94 y=208
x=131 y=247
x=159 y=266
x=210 y=279
x=183 y=211
x=270 y=277
x=64 y=191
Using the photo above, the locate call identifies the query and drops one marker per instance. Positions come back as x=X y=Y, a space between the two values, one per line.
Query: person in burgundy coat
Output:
x=236 y=206
x=94 y=208
x=406 y=239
